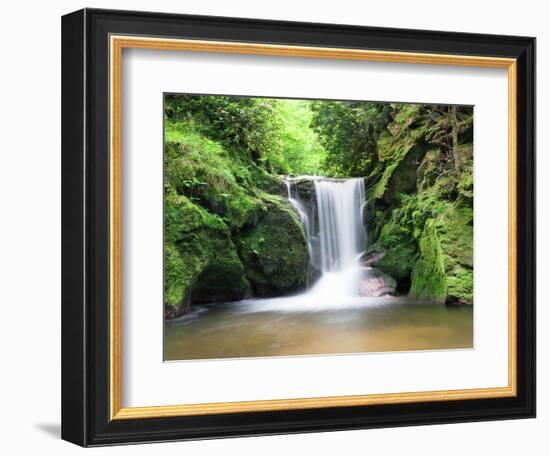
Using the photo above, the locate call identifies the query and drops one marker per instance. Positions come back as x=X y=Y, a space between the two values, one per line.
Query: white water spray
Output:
x=336 y=237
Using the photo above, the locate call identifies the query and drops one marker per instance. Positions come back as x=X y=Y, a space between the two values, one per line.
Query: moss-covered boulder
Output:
x=457 y=240
x=398 y=250
x=404 y=177
x=444 y=269
x=460 y=286
x=201 y=261
x=428 y=279
x=274 y=252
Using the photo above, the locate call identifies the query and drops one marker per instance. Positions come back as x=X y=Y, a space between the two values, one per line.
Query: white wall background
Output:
x=30 y=226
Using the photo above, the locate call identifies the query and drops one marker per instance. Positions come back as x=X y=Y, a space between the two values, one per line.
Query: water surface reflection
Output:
x=282 y=327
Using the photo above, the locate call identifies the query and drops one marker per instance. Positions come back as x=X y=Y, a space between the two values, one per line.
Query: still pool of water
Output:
x=288 y=327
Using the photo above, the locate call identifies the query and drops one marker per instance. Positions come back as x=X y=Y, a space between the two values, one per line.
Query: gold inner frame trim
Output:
x=117 y=44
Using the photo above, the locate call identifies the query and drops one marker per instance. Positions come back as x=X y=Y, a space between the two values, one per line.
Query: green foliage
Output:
x=203 y=171
x=237 y=122
x=271 y=133
x=301 y=150
x=371 y=139
x=349 y=131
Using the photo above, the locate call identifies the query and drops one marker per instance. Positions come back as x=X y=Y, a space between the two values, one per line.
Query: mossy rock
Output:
x=404 y=177
x=274 y=253
x=428 y=279
x=460 y=286
x=201 y=261
x=456 y=236
x=269 y=183
x=176 y=282
x=400 y=150
x=400 y=251
x=305 y=188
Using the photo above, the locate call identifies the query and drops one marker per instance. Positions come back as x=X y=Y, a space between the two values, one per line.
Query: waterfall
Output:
x=340 y=205
x=297 y=204
x=335 y=232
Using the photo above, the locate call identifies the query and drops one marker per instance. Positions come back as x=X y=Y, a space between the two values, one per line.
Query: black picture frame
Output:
x=85 y=224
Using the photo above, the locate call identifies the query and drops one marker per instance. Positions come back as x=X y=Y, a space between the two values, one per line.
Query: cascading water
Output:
x=340 y=207
x=297 y=204
x=339 y=239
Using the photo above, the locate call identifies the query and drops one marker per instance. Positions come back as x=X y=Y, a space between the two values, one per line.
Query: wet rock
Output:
x=376 y=283
x=372 y=258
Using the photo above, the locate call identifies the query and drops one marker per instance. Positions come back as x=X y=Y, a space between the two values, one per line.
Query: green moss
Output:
x=400 y=250
x=428 y=170
x=220 y=181
x=385 y=146
x=378 y=189
x=223 y=278
x=184 y=218
x=428 y=280
x=465 y=184
x=274 y=252
x=400 y=150
x=460 y=285
x=405 y=237
x=175 y=276
x=457 y=234
x=200 y=258
x=457 y=241
x=407 y=114
x=404 y=177
x=393 y=152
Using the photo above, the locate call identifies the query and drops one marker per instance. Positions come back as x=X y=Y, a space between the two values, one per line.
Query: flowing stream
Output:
x=330 y=316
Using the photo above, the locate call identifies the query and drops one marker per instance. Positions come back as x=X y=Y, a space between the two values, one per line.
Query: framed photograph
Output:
x=278 y=227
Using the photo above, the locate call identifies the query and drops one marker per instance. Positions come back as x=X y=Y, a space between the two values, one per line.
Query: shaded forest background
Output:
x=230 y=233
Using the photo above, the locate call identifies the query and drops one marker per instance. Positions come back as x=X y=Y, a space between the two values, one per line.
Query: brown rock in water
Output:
x=375 y=283
x=373 y=258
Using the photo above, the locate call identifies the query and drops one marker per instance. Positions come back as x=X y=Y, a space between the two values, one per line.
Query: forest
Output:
x=231 y=233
